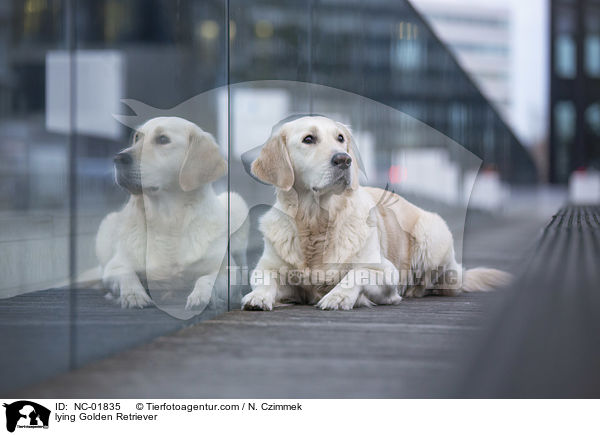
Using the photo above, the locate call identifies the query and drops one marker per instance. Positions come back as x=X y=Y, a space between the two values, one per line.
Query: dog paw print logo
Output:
x=26 y=414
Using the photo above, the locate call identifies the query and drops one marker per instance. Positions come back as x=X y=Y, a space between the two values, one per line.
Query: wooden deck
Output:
x=410 y=350
x=292 y=352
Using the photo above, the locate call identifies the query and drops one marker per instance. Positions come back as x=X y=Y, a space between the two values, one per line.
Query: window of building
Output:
x=564 y=128
x=592 y=118
x=592 y=40
x=564 y=113
x=592 y=55
x=565 y=56
x=407 y=52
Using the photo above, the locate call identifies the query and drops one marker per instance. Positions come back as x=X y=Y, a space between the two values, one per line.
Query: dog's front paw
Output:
x=258 y=300
x=337 y=300
x=135 y=298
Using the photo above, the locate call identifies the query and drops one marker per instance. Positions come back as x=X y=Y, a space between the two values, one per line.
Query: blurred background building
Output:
x=507 y=55
x=479 y=35
x=574 y=88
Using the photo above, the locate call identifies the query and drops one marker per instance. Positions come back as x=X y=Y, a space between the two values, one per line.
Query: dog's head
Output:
x=313 y=152
x=168 y=154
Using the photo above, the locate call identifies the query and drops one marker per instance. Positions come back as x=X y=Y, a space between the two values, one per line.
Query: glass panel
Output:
x=139 y=66
x=397 y=62
x=34 y=197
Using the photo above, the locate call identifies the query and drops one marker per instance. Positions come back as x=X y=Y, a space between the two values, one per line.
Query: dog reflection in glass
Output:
x=172 y=233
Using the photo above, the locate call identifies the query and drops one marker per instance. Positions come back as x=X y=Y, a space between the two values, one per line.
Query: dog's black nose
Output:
x=342 y=160
x=123 y=159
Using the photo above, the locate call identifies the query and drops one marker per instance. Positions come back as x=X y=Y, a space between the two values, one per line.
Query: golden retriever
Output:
x=173 y=230
x=330 y=242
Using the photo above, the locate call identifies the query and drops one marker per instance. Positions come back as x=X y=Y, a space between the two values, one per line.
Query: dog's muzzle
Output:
x=340 y=176
x=341 y=163
x=127 y=173
x=341 y=160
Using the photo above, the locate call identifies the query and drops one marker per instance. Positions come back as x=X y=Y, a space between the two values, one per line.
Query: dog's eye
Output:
x=340 y=138
x=162 y=139
x=309 y=139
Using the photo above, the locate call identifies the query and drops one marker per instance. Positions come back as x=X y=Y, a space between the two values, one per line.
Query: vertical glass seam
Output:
x=228 y=80
x=71 y=34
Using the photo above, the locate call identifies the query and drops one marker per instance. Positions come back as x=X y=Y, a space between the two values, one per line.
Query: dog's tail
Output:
x=481 y=279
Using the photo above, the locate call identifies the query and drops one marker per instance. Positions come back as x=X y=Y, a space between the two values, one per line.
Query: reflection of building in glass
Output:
x=479 y=36
x=574 y=87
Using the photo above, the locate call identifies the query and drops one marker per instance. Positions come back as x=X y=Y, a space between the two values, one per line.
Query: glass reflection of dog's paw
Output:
x=199 y=298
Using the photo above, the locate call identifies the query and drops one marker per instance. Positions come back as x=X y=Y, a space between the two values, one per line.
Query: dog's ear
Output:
x=202 y=162
x=273 y=164
x=353 y=151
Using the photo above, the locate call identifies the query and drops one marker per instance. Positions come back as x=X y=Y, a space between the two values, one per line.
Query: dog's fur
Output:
x=173 y=229
x=340 y=236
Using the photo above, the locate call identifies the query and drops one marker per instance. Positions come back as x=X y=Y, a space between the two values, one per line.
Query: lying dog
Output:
x=173 y=229
x=330 y=242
